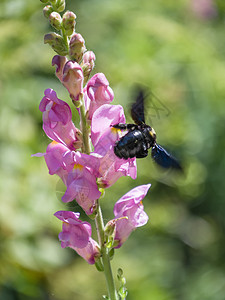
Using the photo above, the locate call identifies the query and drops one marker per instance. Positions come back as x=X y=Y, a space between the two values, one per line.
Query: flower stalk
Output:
x=85 y=129
x=65 y=38
x=105 y=256
x=96 y=166
x=99 y=219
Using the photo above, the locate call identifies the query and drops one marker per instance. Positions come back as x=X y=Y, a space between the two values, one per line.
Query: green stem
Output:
x=85 y=130
x=65 y=37
x=86 y=79
x=99 y=219
x=105 y=256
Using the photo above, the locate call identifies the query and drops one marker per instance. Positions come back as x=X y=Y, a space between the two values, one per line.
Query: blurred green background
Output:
x=177 y=50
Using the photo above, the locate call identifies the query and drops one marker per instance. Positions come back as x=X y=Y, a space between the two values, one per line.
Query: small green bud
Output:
x=55 y=20
x=44 y=1
x=122 y=290
x=56 y=42
x=47 y=10
x=60 y=5
x=110 y=228
x=119 y=273
x=69 y=22
x=123 y=293
x=77 y=47
x=78 y=103
x=53 y=2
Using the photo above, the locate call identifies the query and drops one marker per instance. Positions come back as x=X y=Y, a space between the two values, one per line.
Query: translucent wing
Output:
x=155 y=107
x=137 y=109
x=164 y=159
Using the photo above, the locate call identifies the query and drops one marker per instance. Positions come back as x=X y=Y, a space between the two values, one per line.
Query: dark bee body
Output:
x=141 y=137
x=136 y=142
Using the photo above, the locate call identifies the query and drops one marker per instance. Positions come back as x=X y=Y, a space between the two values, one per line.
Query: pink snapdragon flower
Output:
x=59 y=160
x=76 y=234
x=77 y=171
x=58 y=157
x=70 y=74
x=81 y=185
x=96 y=93
x=73 y=79
x=81 y=173
x=57 y=120
x=130 y=206
x=103 y=137
x=59 y=61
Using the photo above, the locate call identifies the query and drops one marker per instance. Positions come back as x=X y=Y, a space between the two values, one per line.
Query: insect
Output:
x=141 y=137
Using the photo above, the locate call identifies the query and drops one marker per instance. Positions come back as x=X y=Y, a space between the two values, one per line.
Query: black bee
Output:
x=140 y=138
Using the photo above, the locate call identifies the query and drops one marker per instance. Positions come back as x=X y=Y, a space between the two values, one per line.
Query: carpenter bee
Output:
x=141 y=137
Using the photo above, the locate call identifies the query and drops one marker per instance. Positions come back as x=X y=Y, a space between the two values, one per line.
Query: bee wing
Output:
x=164 y=159
x=137 y=109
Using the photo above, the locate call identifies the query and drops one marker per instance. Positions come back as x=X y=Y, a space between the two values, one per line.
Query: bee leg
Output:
x=120 y=126
x=125 y=126
x=143 y=152
x=132 y=127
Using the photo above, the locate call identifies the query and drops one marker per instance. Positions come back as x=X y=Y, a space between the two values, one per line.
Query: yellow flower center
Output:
x=78 y=166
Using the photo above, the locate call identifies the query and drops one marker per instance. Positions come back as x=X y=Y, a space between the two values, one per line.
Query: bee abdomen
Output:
x=130 y=145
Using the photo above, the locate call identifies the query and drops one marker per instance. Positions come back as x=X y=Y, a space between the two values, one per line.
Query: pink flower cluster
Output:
x=81 y=173
x=129 y=214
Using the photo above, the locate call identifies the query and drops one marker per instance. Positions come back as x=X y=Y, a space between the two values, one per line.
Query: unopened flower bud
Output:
x=110 y=228
x=77 y=235
x=119 y=273
x=69 y=22
x=55 y=20
x=56 y=42
x=89 y=57
x=47 y=10
x=77 y=47
x=110 y=231
x=60 y=5
x=59 y=62
x=73 y=80
x=88 y=63
x=44 y=1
